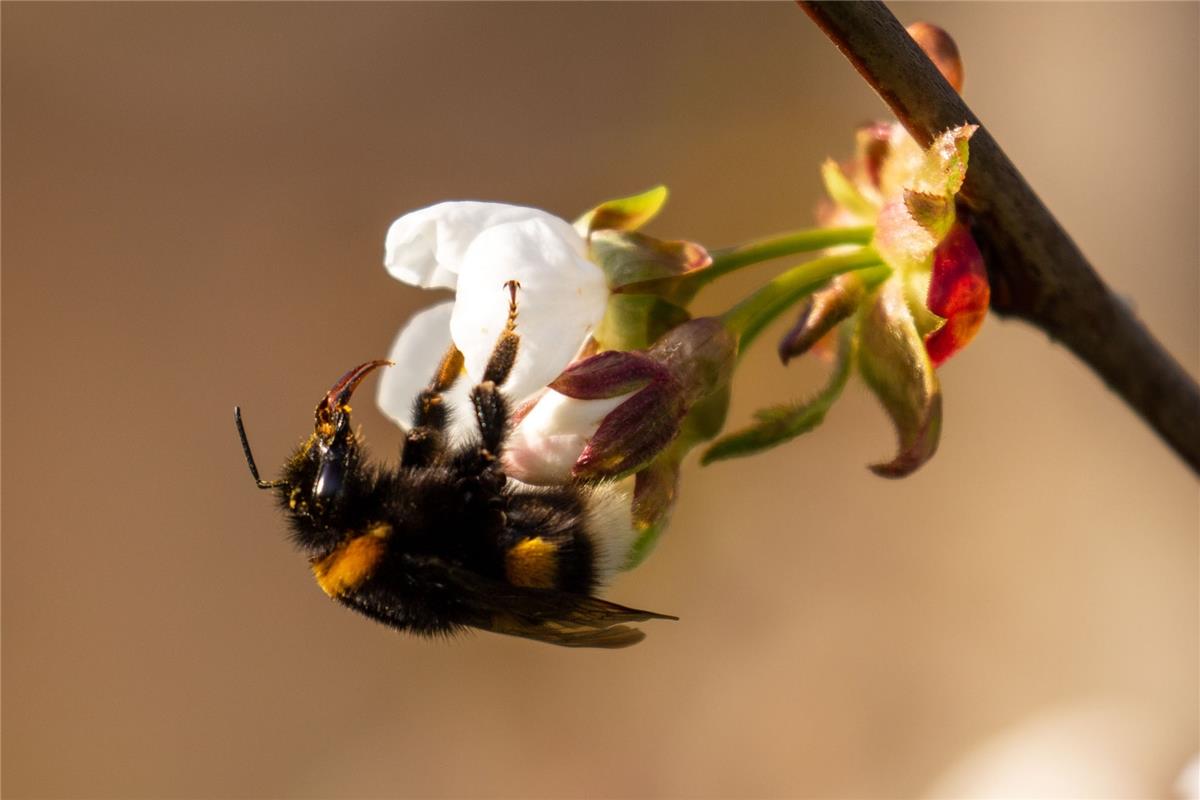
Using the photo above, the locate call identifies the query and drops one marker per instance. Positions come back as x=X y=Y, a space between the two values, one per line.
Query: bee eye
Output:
x=329 y=480
x=333 y=461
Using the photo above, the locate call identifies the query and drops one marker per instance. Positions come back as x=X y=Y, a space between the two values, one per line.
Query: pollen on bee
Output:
x=352 y=562
x=533 y=563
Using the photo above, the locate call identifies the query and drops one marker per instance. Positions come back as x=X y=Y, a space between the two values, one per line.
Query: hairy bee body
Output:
x=444 y=540
x=401 y=533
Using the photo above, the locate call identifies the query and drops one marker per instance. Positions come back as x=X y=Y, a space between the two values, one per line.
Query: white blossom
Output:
x=476 y=249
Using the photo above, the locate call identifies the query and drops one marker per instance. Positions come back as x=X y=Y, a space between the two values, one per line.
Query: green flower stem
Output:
x=747 y=319
x=786 y=244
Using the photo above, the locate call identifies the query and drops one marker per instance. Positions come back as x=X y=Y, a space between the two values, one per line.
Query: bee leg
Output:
x=491 y=407
x=504 y=354
x=427 y=437
x=491 y=412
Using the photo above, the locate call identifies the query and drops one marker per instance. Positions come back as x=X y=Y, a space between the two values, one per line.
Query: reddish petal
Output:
x=958 y=291
x=633 y=433
x=873 y=142
x=609 y=374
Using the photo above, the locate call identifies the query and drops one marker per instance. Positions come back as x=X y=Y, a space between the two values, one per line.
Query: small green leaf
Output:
x=623 y=214
x=894 y=363
x=780 y=424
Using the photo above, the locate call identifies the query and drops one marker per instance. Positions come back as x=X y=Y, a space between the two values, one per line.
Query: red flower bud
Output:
x=958 y=291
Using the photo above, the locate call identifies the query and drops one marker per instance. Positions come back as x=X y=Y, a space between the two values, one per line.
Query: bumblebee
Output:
x=443 y=540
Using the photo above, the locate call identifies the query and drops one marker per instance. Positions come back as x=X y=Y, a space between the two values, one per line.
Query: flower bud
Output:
x=872 y=146
x=634 y=432
x=911 y=224
x=942 y=51
x=609 y=374
x=821 y=312
x=700 y=355
x=958 y=291
x=689 y=363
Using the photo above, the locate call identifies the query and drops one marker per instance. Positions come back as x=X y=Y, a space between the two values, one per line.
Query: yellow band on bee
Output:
x=532 y=562
x=352 y=562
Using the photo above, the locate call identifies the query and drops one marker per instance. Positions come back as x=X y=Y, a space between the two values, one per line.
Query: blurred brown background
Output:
x=194 y=204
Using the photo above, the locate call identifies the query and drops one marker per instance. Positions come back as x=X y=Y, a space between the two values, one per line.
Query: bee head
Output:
x=333 y=447
x=318 y=477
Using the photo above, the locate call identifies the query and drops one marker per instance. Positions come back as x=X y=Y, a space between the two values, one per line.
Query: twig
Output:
x=1037 y=273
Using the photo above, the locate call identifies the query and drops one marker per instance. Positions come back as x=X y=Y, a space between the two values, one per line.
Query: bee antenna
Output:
x=237 y=419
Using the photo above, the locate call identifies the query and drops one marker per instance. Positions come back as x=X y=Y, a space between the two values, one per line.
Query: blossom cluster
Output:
x=896 y=324
x=615 y=381
x=609 y=372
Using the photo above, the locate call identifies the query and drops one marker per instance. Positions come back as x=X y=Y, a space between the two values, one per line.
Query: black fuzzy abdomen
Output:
x=446 y=561
x=556 y=516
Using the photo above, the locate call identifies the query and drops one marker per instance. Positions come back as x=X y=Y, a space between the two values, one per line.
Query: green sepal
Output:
x=706 y=418
x=629 y=258
x=623 y=214
x=656 y=487
x=635 y=321
x=912 y=222
x=934 y=213
x=655 y=490
x=943 y=167
x=821 y=312
x=916 y=289
x=844 y=193
x=782 y=423
x=895 y=365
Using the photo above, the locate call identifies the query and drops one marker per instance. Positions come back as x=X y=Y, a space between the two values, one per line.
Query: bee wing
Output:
x=561 y=618
x=611 y=638
x=569 y=620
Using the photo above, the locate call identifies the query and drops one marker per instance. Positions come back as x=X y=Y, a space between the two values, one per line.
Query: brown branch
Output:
x=1037 y=273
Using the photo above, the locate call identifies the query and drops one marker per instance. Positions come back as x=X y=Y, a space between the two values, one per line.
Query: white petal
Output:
x=426 y=247
x=417 y=351
x=544 y=447
x=560 y=302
